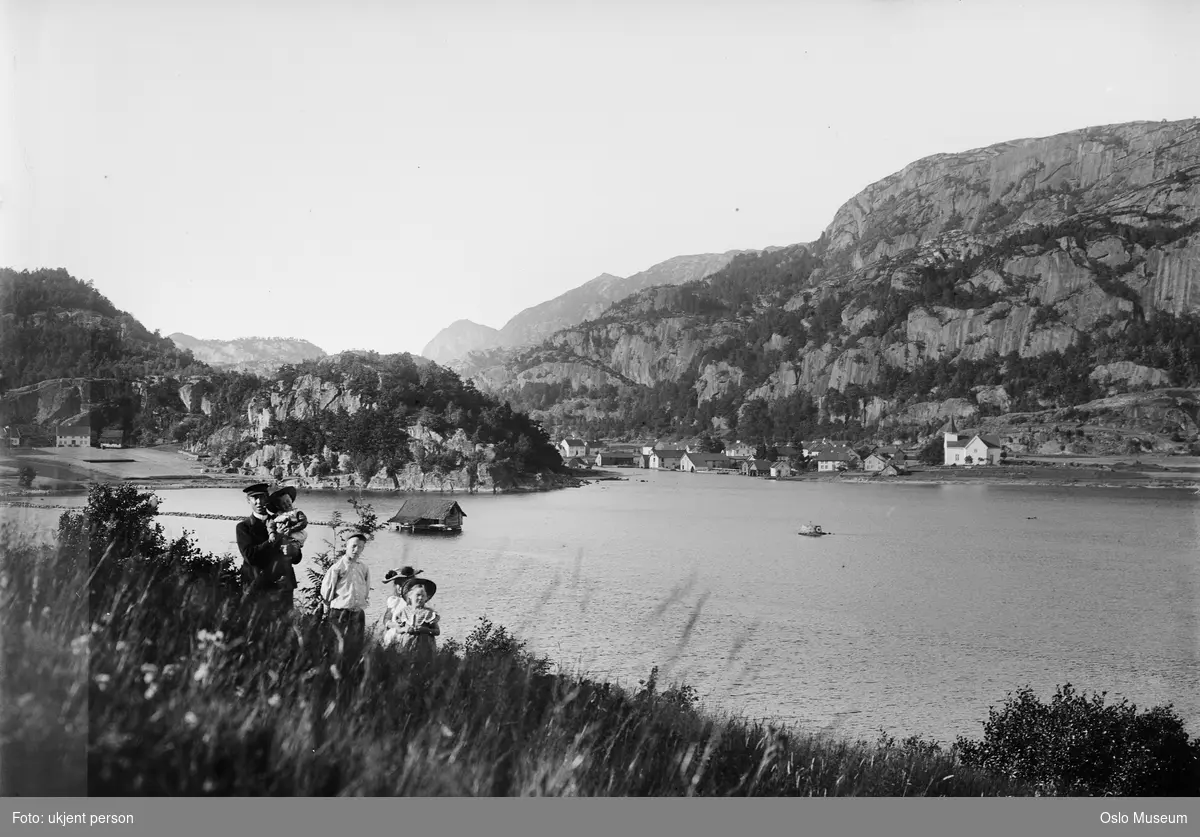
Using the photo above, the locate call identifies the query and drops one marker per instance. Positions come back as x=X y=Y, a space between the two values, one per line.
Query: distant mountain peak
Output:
x=249 y=354
x=458 y=339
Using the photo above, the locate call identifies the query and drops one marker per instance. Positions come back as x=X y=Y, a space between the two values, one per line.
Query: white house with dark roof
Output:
x=666 y=459
x=881 y=457
x=73 y=436
x=781 y=468
x=572 y=447
x=740 y=450
x=972 y=450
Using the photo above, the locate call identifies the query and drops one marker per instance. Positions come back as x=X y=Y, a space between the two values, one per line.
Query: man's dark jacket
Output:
x=265 y=567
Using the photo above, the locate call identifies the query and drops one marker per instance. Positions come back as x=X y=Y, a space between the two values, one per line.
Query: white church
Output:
x=973 y=450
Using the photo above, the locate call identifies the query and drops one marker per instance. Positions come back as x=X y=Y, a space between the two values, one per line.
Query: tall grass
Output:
x=175 y=684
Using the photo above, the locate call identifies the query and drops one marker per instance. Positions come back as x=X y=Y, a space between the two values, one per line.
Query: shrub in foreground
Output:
x=1077 y=745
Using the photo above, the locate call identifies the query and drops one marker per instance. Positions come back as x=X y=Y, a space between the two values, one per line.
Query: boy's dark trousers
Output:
x=353 y=625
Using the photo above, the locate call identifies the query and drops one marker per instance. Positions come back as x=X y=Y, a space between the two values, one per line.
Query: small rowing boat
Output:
x=812 y=531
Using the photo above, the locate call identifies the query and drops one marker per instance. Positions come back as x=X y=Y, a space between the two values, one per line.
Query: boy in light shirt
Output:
x=346 y=591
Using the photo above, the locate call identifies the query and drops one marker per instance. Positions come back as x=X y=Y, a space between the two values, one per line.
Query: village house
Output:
x=572 y=447
x=666 y=459
x=974 y=450
x=73 y=436
x=781 y=468
x=615 y=459
x=693 y=461
x=740 y=450
x=112 y=439
x=26 y=436
x=755 y=467
x=835 y=459
x=880 y=458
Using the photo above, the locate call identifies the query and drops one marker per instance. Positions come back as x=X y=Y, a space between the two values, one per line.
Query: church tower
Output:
x=949 y=434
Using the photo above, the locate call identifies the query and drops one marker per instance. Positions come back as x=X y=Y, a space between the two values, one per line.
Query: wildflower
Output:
x=202 y=673
x=46 y=610
x=96 y=628
x=190 y=719
x=79 y=645
x=151 y=691
x=102 y=681
x=273 y=701
x=171 y=669
x=210 y=637
x=209 y=785
x=121 y=645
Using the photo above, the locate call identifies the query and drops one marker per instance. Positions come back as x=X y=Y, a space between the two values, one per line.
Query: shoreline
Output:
x=1181 y=484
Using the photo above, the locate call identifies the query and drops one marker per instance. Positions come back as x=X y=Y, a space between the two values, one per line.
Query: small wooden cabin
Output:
x=428 y=514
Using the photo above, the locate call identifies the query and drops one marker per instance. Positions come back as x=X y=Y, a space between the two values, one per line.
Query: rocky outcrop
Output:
x=716 y=379
x=302 y=399
x=195 y=395
x=1130 y=375
x=278 y=461
x=57 y=401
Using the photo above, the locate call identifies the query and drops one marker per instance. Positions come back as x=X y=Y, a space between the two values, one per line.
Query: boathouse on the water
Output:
x=429 y=513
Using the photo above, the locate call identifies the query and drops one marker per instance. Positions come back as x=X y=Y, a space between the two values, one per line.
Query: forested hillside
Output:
x=52 y=325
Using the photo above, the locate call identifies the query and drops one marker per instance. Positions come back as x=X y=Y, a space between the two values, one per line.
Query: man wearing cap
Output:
x=266 y=562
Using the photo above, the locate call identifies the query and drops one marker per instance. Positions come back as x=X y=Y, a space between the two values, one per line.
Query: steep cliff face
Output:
x=59 y=401
x=302 y=398
x=1020 y=249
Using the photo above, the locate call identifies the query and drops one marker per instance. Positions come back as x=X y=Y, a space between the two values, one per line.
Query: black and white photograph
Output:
x=600 y=399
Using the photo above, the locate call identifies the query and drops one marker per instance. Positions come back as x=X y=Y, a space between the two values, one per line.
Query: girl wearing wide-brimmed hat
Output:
x=412 y=624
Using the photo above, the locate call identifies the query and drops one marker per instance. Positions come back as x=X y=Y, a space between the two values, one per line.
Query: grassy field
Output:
x=134 y=666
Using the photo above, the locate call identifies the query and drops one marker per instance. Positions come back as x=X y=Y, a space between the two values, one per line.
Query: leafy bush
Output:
x=1078 y=746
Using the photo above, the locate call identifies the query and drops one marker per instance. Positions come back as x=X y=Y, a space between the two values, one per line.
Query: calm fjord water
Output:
x=927 y=605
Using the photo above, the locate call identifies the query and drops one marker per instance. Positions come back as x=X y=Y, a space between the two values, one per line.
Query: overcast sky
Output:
x=362 y=174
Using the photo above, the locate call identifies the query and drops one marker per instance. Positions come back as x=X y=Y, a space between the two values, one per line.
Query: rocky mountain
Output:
x=458 y=339
x=248 y=354
x=455 y=342
x=1029 y=275
x=591 y=298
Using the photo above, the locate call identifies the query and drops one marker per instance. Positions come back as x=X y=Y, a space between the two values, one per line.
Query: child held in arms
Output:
x=287 y=522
